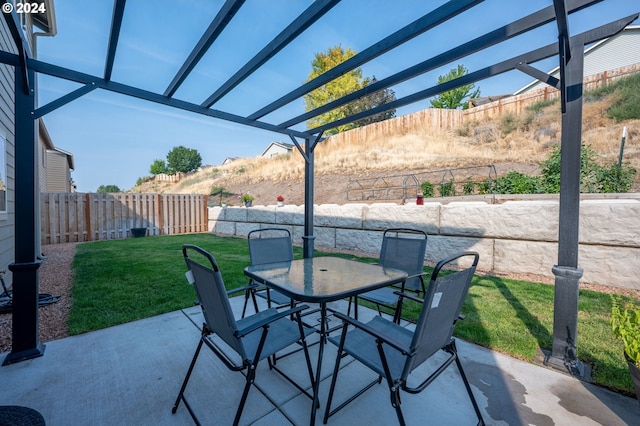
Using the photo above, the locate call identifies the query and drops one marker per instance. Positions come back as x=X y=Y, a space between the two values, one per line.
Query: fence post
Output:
x=87 y=215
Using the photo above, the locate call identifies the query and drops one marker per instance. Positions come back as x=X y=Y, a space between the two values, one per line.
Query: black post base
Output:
x=15 y=357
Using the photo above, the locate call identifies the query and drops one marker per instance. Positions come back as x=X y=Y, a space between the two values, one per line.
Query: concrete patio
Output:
x=130 y=375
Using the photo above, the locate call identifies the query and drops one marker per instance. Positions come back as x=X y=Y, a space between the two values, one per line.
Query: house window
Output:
x=3 y=174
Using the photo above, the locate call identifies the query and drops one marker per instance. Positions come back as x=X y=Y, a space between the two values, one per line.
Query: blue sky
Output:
x=114 y=138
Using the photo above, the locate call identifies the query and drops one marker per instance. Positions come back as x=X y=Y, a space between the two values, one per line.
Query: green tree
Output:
x=373 y=100
x=455 y=98
x=181 y=159
x=158 y=167
x=342 y=86
x=105 y=189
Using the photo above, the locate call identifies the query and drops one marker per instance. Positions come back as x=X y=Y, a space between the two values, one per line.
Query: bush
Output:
x=626 y=94
x=468 y=187
x=509 y=123
x=613 y=179
x=447 y=189
x=517 y=183
x=427 y=189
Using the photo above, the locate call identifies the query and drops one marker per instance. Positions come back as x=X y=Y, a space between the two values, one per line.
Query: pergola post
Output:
x=567 y=273
x=308 y=238
x=26 y=343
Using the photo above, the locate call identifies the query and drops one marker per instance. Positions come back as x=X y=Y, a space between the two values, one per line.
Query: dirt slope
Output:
x=510 y=144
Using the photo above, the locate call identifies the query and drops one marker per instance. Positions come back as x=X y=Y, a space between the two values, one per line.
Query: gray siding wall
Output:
x=58 y=173
x=617 y=52
x=7 y=126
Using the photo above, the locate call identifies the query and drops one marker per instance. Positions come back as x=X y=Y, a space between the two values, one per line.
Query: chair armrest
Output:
x=419 y=300
x=241 y=289
x=409 y=296
x=399 y=346
x=265 y=318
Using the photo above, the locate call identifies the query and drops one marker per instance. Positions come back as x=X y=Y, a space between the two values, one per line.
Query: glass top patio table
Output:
x=323 y=279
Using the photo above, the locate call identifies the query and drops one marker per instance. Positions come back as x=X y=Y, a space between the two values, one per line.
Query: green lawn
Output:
x=119 y=281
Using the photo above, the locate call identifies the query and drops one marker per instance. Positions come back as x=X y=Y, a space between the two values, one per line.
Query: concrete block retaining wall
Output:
x=518 y=236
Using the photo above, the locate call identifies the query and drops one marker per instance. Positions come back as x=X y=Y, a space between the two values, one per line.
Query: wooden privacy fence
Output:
x=78 y=217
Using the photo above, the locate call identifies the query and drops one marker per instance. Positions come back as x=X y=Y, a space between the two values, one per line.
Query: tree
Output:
x=181 y=159
x=342 y=86
x=158 y=167
x=455 y=98
x=105 y=189
x=373 y=100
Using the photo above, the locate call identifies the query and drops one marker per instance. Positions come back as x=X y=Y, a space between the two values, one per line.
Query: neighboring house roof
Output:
x=46 y=21
x=229 y=159
x=48 y=144
x=285 y=146
x=618 y=51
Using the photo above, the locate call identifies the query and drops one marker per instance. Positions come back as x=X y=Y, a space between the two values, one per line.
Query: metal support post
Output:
x=308 y=238
x=26 y=343
x=567 y=274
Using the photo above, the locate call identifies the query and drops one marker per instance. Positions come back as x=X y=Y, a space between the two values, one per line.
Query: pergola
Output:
x=568 y=49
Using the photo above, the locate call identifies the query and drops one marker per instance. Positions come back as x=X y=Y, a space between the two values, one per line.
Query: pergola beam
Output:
x=499 y=68
x=219 y=23
x=419 y=26
x=300 y=24
x=528 y=23
x=114 y=36
x=100 y=83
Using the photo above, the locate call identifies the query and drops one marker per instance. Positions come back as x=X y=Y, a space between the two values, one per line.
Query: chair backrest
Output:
x=404 y=249
x=442 y=305
x=206 y=278
x=270 y=245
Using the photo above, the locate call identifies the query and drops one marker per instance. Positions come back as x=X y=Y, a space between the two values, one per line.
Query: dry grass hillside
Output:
x=512 y=143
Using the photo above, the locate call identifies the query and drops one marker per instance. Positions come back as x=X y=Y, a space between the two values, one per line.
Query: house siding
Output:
x=616 y=52
x=58 y=174
x=7 y=126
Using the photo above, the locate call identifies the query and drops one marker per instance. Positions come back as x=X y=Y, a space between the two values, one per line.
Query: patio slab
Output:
x=130 y=375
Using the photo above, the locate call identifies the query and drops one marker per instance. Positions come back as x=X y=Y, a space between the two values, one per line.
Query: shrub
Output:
x=427 y=189
x=509 y=123
x=468 y=187
x=517 y=183
x=447 y=189
x=626 y=94
x=612 y=178
x=483 y=187
x=536 y=107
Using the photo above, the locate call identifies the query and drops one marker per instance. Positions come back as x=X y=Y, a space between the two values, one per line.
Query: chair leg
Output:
x=468 y=386
x=186 y=379
x=334 y=377
x=251 y=376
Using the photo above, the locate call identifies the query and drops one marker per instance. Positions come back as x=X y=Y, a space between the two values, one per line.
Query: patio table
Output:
x=322 y=280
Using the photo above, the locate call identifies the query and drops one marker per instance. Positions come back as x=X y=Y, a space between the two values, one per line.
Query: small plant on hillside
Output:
x=468 y=187
x=142 y=180
x=427 y=189
x=615 y=179
x=509 y=124
x=447 y=189
x=483 y=187
x=517 y=183
x=626 y=94
x=537 y=107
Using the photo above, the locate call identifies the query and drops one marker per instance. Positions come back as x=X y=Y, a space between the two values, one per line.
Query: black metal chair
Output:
x=269 y=245
x=404 y=249
x=252 y=339
x=394 y=352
